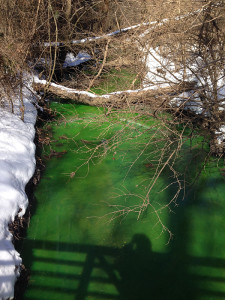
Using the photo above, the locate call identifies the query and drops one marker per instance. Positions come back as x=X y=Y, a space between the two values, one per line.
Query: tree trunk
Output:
x=154 y=98
x=68 y=8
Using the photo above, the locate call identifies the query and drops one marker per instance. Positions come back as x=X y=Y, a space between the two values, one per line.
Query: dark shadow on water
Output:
x=135 y=272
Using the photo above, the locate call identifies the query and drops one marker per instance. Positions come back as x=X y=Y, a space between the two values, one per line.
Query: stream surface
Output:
x=77 y=247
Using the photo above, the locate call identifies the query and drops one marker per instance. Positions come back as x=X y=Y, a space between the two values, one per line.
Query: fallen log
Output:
x=146 y=96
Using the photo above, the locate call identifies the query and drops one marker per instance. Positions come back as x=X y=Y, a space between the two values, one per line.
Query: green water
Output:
x=78 y=248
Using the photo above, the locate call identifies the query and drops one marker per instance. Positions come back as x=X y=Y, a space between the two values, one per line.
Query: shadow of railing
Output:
x=134 y=272
x=67 y=270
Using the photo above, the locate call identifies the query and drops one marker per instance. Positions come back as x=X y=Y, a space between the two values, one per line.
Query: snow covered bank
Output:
x=17 y=165
x=162 y=72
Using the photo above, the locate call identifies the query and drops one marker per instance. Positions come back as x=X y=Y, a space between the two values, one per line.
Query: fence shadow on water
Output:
x=69 y=270
x=134 y=272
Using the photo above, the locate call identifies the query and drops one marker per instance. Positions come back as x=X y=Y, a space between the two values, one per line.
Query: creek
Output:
x=78 y=247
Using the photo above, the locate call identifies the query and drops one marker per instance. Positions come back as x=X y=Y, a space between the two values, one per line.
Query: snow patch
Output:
x=17 y=165
x=72 y=61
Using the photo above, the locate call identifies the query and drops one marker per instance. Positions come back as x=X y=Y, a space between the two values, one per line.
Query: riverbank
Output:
x=17 y=166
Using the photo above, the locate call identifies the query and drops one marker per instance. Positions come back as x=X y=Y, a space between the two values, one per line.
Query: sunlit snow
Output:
x=72 y=61
x=17 y=165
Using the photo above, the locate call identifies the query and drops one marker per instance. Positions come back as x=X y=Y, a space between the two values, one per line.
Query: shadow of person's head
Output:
x=140 y=243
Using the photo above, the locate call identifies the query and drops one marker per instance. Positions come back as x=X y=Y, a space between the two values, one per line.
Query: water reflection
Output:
x=132 y=272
